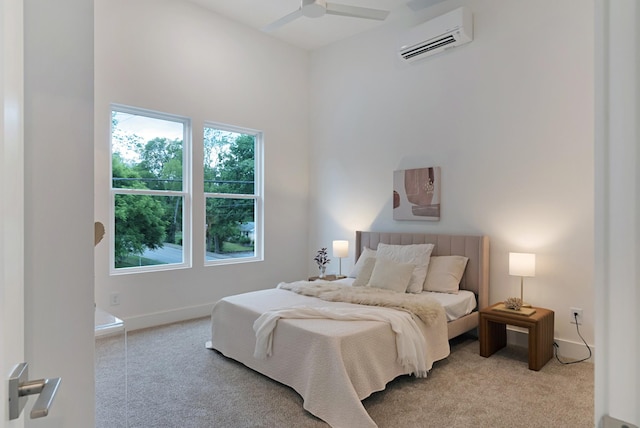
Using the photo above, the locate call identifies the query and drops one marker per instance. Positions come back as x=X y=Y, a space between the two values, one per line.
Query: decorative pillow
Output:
x=416 y=254
x=362 y=280
x=444 y=274
x=366 y=253
x=391 y=275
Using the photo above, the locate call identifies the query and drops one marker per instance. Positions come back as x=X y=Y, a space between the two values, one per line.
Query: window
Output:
x=232 y=192
x=150 y=184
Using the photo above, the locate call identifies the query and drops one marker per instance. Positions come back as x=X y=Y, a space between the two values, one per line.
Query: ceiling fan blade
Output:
x=416 y=5
x=356 y=12
x=282 y=21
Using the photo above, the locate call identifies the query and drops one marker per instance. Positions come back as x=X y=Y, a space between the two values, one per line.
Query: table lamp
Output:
x=522 y=264
x=340 y=250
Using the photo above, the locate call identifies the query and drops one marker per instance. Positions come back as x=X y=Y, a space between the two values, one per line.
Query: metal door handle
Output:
x=20 y=389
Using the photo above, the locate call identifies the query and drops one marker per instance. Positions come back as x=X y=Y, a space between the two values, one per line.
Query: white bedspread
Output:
x=410 y=343
x=332 y=364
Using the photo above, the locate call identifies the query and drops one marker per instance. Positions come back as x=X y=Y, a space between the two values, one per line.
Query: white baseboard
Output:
x=566 y=349
x=167 y=317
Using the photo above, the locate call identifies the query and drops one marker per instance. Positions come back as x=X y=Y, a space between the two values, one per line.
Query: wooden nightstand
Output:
x=327 y=277
x=492 y=332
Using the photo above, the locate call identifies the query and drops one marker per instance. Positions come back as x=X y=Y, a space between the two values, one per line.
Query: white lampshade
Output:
x=522 y=264
x=340 y=249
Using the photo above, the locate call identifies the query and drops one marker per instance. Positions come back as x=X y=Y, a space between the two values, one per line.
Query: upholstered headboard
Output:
x=476 y=248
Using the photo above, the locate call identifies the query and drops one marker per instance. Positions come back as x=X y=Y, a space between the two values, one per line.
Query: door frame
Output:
x=11 y=197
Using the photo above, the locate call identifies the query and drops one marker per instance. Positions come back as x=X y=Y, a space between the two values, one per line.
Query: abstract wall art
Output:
x=416 y=194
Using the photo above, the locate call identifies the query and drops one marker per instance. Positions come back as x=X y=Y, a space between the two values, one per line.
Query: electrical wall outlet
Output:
x=114 y=299
x=572 y=315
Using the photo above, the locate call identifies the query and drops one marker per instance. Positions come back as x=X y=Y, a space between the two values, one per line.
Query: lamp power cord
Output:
x=556 y=346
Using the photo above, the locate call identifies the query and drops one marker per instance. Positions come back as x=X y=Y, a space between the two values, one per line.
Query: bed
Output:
x=334 y=363
x=476 y=275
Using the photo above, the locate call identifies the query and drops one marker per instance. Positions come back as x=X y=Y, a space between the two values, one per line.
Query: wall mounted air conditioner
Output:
x=436 y=35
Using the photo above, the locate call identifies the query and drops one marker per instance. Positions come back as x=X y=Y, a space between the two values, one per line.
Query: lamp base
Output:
x=525 y=305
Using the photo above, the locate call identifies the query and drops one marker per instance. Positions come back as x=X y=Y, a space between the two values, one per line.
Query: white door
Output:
x=52 y=231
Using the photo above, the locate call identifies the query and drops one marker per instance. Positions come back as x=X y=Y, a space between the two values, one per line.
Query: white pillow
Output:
x=416 y=254
x=362 y=280
x=391 y=275
x=445 y=273
x=366 y=253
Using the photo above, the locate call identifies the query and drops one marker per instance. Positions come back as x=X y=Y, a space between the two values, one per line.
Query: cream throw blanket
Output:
x=424 y=307
x=410 y=343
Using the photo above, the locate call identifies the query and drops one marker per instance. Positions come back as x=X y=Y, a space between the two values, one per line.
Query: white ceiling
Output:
x=307 y=33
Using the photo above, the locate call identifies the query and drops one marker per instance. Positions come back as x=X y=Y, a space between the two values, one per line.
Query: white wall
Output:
x=508 y=117
x=176 y=57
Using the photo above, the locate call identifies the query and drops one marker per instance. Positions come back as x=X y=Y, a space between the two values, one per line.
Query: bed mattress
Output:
x=455 y=305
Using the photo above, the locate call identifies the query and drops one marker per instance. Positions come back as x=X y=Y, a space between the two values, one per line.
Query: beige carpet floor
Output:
x=173 y=381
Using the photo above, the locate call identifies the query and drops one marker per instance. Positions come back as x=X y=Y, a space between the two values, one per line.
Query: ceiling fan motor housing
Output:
x=318 y=8
x=314 y=8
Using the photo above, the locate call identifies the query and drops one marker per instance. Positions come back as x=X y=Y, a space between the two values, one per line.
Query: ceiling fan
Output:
x=318 y=8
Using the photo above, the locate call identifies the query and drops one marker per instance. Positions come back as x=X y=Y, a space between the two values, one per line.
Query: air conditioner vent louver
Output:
x=426 y=47
x=449 y=30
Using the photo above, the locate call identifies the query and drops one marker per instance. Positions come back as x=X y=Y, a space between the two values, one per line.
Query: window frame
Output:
x=257 y=197
x=185 y=193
